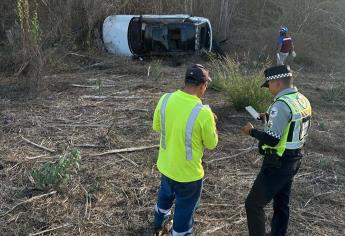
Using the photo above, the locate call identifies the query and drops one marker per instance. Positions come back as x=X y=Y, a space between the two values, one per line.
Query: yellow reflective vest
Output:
x=296 y=132
x=186 y=127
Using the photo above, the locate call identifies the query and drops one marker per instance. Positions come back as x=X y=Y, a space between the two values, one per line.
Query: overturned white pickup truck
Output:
x=153 y=35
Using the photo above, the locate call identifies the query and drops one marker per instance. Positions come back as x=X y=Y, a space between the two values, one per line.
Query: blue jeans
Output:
x=187 y=198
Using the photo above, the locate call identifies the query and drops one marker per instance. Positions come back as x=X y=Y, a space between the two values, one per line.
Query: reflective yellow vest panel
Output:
x=186 y=128
x=296 y=132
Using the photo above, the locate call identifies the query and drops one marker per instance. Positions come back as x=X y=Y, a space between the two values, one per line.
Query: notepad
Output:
x=253 y=112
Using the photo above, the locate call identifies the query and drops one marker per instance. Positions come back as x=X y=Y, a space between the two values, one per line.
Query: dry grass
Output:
x=110 y=106
x=115 y=194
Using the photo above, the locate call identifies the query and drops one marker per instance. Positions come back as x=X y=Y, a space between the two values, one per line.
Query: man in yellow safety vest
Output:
x=186 y=127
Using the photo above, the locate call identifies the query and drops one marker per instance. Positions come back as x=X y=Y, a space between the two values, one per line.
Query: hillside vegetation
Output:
x=250 y=27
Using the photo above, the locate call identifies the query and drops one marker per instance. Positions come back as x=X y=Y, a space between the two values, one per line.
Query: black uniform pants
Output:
x=271 y=183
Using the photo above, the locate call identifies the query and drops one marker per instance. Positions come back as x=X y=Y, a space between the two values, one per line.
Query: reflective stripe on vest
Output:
x=163 y=107
x=189 y=129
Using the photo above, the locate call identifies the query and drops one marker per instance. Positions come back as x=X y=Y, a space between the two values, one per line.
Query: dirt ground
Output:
x=115 y=194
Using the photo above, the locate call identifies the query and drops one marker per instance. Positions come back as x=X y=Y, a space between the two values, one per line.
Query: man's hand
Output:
x=247 y=129
x=263 y=118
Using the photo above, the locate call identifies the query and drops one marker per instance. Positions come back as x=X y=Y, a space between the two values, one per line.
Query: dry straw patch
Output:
x=98 y=107
x=114 y=194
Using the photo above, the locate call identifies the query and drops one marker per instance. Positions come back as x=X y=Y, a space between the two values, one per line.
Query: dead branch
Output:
x=238 y=154
x=87 y=213
x=22 y=68
x=87 y=145
x=318 y=195
x=127 y=159
x=211 y=231
x=49 y=230
x=94 y=97
x=132 y=149
x=27 y=201
x=99 y=66
x=216 y=204
x=78 y=55
x=35 y=157
x=256 y=161
x=305 y=174
x=92 y=86
x=84 y=86
x=37 y=145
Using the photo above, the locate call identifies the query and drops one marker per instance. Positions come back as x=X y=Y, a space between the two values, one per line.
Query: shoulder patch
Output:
x=301 y=100
x=274 y=112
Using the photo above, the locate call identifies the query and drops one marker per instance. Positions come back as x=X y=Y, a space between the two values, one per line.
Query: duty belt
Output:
x=287 y=152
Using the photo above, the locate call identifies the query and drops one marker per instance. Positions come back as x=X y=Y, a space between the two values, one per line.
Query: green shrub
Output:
x=56 y=174
x=241 y=87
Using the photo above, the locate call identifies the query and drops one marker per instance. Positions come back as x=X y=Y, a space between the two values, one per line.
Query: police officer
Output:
x=285 y=46
x=186 y=127
x=287 y=122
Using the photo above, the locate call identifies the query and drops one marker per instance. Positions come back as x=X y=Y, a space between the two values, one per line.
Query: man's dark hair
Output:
x=196 y=74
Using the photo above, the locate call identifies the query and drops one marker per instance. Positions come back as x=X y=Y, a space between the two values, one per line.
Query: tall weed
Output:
x=32 y=60
x=241 y=88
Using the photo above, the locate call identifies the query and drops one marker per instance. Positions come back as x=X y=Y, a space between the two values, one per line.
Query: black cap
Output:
x=197 y=73
x=276 y=72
